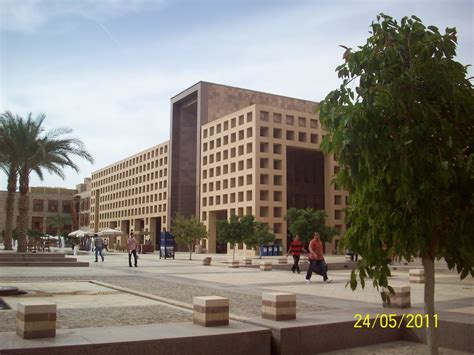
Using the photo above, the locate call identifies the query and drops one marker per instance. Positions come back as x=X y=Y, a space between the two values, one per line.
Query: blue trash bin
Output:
x=264 y=250
x=276 y=250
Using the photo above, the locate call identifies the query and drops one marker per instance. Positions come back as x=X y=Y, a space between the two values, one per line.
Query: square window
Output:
x=277 y=133
x=277 y=117
x=290 y=135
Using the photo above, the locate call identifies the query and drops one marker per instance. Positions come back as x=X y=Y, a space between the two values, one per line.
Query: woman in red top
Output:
x=295 y=249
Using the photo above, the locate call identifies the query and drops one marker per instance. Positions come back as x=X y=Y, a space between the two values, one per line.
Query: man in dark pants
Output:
x=99 y=245
x=295 y=249
x=316 y=259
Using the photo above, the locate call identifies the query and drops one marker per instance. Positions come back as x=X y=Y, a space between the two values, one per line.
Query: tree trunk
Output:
x=10 y=209
x=431 y=339
x=233 y=253
x=190 y=251
x=23 y=210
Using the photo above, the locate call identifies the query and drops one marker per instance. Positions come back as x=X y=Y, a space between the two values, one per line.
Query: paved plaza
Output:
x=111 y=293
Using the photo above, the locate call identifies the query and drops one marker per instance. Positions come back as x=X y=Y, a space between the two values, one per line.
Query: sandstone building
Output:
x=231 y=151
x=45 y=203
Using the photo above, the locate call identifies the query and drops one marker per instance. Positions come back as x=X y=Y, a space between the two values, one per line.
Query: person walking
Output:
x=316 y=259
x=99 y=245
x=295 y=249
x=132 y=249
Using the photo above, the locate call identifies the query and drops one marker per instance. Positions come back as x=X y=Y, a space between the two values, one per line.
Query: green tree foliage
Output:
x=188 y=231
x=31 y=149
x=304 y=222
x=402 y=129
x=235 y=230
x=59 y=221
x=260 y=234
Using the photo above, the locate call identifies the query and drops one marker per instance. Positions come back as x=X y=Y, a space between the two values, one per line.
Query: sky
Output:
x=108 y=68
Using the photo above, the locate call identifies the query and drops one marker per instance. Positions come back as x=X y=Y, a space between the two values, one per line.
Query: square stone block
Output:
x=278 y=297
x=417 y=276
x=278 y=306
x=211 y=301
x=31 y=307
x=401 y=298
x=210 y=311
x=207 y=260
x=247 y=261
x=282 y=260
x=36 y=319
x=234 y=263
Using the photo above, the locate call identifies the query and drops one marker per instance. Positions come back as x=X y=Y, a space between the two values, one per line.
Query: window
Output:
x=38 y=205
x=53 y=206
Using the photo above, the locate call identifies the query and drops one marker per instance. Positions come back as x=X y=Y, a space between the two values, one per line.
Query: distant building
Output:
x=45 y=203
x=81 y=203
x=131 y=194
x=231 y=151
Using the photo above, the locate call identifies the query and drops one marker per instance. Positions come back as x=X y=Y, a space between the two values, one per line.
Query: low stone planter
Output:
x=207 y=261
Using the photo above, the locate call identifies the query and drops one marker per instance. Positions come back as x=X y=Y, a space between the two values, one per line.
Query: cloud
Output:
x=21 y=16
x=118 y=103
x=28 y=15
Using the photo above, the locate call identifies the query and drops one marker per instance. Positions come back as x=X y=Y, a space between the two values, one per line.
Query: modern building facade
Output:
x=131 y=194
x=231 y=151
x=45 y=204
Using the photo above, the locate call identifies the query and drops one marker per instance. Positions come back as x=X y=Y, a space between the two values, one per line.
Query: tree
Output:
x=304 y=222
x=401 y=127
x=59 y=221
x=188 y=231
x=9 y=165
x=260 y=235
x=235 y=230
x=35 y=150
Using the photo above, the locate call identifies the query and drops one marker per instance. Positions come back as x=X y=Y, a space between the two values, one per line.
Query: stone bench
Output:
x=417 y=276
x=266 y=266
x=207 y=260
x=401 y=298
x=36 y=320
x=283 y=260
x=210 y=311
x=279 y=306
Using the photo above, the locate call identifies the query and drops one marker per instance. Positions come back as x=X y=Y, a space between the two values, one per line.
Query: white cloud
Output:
x=123 y=108
x=28 y=15
x=22 y=16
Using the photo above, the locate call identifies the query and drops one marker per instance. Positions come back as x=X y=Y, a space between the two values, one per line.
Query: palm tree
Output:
x=59 y=221
x=9 y=165
x=38 y=151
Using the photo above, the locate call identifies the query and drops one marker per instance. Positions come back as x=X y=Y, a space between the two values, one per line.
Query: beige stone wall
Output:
x=243 y=167
x=44 y=202
x=131 y=193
